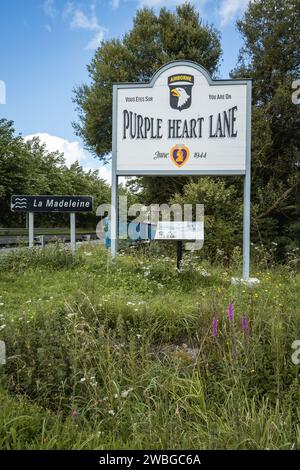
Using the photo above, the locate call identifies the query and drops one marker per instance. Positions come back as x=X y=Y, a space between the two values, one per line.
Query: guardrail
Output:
x=43 y=239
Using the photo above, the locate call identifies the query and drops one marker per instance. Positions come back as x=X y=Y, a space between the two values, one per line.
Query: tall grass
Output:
x=127 y=359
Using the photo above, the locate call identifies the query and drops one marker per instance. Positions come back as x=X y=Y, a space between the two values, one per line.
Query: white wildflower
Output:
x=125 y=393
x=205 y=273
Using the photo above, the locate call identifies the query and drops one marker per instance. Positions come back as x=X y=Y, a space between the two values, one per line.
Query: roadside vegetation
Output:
x=133 y=354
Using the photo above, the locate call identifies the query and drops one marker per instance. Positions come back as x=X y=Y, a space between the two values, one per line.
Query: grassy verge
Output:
x=44 y=231
x=104 y=354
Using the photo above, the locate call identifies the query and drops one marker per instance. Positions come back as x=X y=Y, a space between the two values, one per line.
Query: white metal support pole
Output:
x=73 y=231
x=247 y=191
x=114 y=216
x=114 y=182
x=246 y=227
x=31 y=229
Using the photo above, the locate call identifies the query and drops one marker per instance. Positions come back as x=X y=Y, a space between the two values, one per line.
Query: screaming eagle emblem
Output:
x=180 y=91
x=179 y=154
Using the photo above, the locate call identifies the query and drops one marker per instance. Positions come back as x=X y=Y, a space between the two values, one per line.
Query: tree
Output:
x=153 y=41
x=270 y=56
x=27 y=168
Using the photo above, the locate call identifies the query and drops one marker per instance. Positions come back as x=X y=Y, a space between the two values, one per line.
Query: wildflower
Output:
x=83 y=379
x=146 y=273
x=138 y=336
x=93 y=380
x=230 y=312
x=204 y=273
x=245 y=324
x=74 y=414
x=111 y=412
x=2 y=327
x=215 y=327
x=125 y=393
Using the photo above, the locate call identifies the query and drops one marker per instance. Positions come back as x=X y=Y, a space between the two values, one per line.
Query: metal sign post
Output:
x=51 y=203
x=114 y=215
x=182 y=122
x=31 y=229
x=179 y=254
x=247 y=190
x=73 y=232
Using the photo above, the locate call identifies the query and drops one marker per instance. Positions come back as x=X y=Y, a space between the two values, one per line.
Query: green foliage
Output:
x=271 y=32
x=222 y=214
x=127 y=345
x=27 y=168
x=55 y=256
x=153 y=41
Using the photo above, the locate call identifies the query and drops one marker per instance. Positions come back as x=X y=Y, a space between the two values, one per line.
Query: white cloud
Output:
x=160 y=3
x=80 y=20
x=115 y=4
x=104 y=170
x=73 y=151
x=230 y=9
x=49 y=8
x=96 y=40
x=48 y=28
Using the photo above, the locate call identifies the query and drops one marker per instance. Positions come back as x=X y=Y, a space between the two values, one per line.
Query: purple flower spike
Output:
x=230 y=312
x=215 y=327
x=245 y=324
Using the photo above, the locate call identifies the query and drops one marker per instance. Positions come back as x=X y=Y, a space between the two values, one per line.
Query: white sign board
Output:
x=182 y=122
x=179 y=231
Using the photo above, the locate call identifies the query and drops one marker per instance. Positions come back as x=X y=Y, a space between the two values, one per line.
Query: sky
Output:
x=45 y=46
